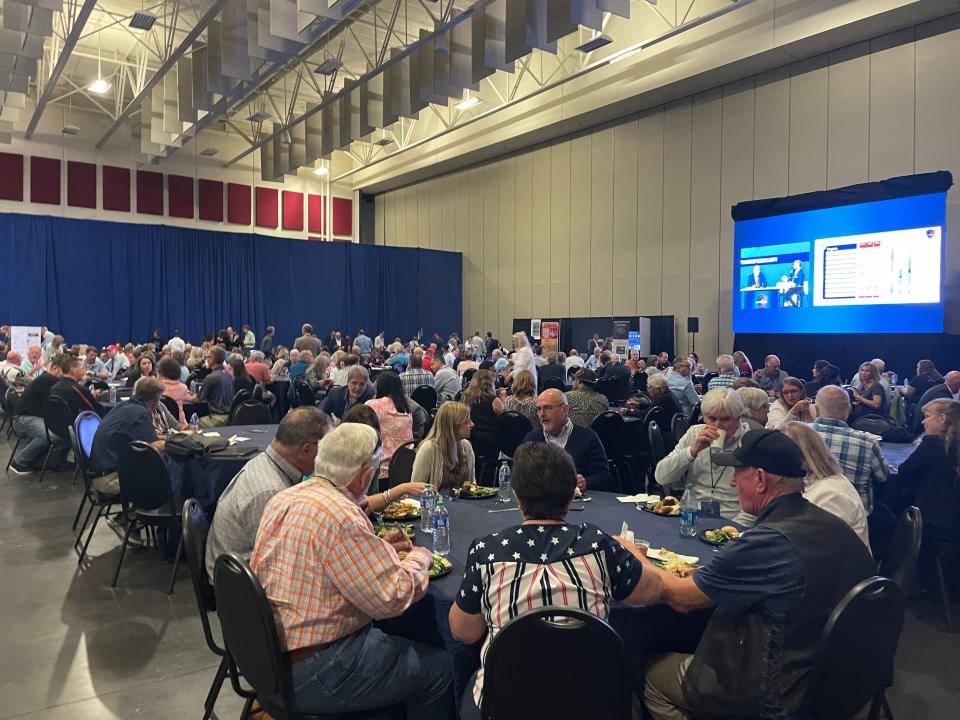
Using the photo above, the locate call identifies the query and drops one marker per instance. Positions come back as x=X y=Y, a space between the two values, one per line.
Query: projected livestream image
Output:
x=864 y=268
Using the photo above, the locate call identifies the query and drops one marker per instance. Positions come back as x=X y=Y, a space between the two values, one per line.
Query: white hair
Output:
x=357 y=371
x=345 y=451
x=725 y=399
x=753 y=399
x=725 y=364
x=256 y=356
x=656 y=381
x=833 y=402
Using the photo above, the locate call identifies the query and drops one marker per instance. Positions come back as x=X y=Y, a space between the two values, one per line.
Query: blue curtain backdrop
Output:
x=99 y=282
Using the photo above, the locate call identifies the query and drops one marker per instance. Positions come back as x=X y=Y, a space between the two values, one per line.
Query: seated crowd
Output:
x=769 y=451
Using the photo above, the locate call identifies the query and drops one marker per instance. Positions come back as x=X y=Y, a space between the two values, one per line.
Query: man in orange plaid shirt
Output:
x=328 y=576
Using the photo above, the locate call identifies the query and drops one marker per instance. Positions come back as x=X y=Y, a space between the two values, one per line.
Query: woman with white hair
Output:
x=756 y=407
x=522 y=357
x=826 y=487
x=689 y=465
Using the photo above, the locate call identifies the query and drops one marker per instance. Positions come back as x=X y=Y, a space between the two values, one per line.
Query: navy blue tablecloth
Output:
x=280 y=387
x=645 y=630
x=207 y=477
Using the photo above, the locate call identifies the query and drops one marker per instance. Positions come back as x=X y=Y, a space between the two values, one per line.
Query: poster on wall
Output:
x=550 y=337
x=621 y=329
x=535 y=329
x=23 y=337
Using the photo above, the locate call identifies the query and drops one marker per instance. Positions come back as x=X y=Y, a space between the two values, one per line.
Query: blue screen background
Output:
x=799 y=230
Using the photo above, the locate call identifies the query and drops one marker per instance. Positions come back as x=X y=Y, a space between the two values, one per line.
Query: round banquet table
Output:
x=205 y=478
x=645 y=630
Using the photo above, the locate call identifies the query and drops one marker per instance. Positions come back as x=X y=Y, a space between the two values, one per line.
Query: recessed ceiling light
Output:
x=468 y=103
x=142 y=20
x=260 y=116
x=321 y=171
x=99 y=86
x=209 y=152
x=329 y=66
x=595 y=43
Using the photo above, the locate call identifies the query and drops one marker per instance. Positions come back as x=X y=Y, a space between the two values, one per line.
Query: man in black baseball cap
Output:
x=773 y=588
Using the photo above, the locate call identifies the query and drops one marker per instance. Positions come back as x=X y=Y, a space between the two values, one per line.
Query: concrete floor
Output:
x=72 y=647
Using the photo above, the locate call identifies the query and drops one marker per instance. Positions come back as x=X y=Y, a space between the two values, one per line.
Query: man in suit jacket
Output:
x=356 y=392
x=615 y=369
x=949 y=389
x=553 y=369
x=581 y=443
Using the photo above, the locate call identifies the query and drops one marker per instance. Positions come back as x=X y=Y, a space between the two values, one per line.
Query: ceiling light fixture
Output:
x=142 y=20
x=99 y=86
x=468 y=102
x=321 y=171
x=595 y=43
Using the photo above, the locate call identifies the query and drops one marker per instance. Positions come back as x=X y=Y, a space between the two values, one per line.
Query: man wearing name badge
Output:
x=581 y=443
x=356 y=392
x=773 y=589
x=286 y=460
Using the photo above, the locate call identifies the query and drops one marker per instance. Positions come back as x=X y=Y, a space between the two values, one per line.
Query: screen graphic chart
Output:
x=872 y=267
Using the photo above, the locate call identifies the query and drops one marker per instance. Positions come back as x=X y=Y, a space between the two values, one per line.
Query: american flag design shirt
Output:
x=526 y=567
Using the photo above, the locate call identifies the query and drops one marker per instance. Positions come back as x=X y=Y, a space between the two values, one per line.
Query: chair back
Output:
x=881 y=524
x=705 y=382
x=679 y=426
x=302 y=392
x=467 y=377
x=58 y=417
x=400 y=469
x=855 y=654
x=195 y=531
x=239 y=397
x=696 y=415
x=84 y=428
x=144 y=479
x=584 y=652
x=251 y=412
x=612 y=431
x=901 y=558
x=249 y=631
x=553 y=383
x=426 y=397
x=171 y=405
x=657 y=451
x=510 y=428
x=875 y=424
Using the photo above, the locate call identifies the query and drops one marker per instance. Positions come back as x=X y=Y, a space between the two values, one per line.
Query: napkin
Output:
x=626 y=533
x=641 y=497
x=234 y=439
x=211 y=434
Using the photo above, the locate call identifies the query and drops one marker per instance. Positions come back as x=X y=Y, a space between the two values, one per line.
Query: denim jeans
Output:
x=371 y=669
x=31 y=455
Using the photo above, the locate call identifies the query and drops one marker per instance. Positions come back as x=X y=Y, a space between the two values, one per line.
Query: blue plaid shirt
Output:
x=859 y=456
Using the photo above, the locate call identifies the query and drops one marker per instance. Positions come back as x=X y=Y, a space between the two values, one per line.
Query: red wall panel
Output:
x=267 y=210
x=342 y=216
x=11 y=177
x=81 y=184
x=238 y=204
x=292 y=210
x=45 y=180
x=315 y=214
x=180 y=196
x=149 y=193
x=211 y=200
x=116 y=188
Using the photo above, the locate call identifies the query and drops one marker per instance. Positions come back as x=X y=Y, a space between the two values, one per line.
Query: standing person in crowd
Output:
x=249 y=340
x=446 y=381
x=144 y=368
x=307 y=340
x=327 y=577
x=522 y=357
x=742 y=363
x=169 y=373
x=176 y=342
x=791 y=405
x=266 y=343
x=356 y=391
x=726 y=373
x=396 y=417
x=481 y=397
x=363 y=343
x=216 y=390
x=690 y=464
x=681 y=386
x=445 y=458
x=522 y=397
x=857 y=452
x=771 y=376
x=536 y=559
x=826 y=487
x=28 y=424
x=379 y=342
x=586 y=404
x=871 y=398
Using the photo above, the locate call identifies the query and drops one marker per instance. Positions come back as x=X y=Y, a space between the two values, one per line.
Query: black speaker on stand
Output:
x=693 y=327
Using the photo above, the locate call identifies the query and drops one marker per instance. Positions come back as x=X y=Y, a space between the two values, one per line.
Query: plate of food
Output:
x=472 y=491
x=719 y=536
x=679 y=565
x=408 y=529
x=407 y=509
x=438 y=568
x=668 y=506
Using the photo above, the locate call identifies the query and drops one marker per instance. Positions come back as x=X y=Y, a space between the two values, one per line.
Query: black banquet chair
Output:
x=584 y=652
x=679 y=427
x=11 y=409
x=553 y=383
x=145 y=486
x=616 y=438
x=251 y=640
x=657 y=451
x=57 y=421
x=302 y=393
x=84 y=428
x=854 y=658
x=426 y=397
x=901 y=557
x=251 y=412
x=400 y=469
x=510 y=428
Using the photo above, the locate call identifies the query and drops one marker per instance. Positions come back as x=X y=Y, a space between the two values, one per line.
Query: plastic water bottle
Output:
x=688 y=515
x=427 y=501
x=194 y=422
x=113 y=395
x=503 y=483
x=441 y=528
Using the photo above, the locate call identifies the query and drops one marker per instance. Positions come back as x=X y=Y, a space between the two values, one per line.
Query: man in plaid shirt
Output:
x=328 y=577
x=415 y=375
x=859 y=454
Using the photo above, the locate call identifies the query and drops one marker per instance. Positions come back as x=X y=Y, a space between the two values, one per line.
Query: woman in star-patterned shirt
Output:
x=544 y=561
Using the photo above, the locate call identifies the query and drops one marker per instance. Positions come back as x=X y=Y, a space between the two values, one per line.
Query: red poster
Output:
x=550 y=337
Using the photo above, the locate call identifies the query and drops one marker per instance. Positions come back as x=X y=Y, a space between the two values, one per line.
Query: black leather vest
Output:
x=755 y=665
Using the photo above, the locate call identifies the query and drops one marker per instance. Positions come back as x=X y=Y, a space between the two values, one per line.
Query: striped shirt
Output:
x=721 y=381
x=527 y=567
x=324 y=570
x=414 y=378
x=859 y=456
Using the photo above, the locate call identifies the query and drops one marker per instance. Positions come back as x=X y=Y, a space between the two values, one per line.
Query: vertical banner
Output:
x=550 y=337
x=535 y=329
x=22 y=337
